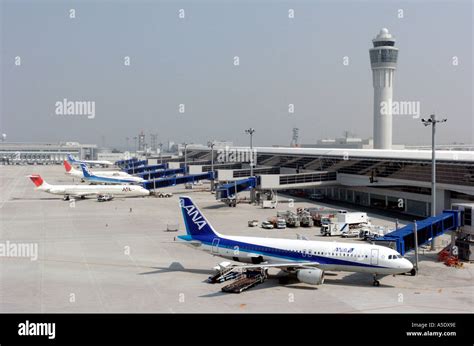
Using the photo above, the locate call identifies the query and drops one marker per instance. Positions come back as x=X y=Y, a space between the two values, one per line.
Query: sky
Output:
x=47 y=56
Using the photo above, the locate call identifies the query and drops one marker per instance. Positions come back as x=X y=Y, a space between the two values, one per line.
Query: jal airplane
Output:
x=84 y=191
x=307 y=259
x=103 y=179
x=70 y=170
x=72 y=160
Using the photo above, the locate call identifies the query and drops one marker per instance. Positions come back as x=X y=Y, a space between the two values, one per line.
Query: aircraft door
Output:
x=374 y=256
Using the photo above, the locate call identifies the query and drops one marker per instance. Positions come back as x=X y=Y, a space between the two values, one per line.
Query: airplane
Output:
x=72 y=160
x=306 y=258
x=102 y=179
x=70 y=170
x=83 y=191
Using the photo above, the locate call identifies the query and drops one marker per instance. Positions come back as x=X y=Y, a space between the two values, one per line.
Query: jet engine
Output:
x=311 y=276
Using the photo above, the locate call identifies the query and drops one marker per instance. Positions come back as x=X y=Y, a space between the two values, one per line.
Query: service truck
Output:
x=269 y=204
x=343 y=223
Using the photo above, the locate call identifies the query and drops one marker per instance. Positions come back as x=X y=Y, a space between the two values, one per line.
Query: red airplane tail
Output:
x=36 y=179
x=67 y=166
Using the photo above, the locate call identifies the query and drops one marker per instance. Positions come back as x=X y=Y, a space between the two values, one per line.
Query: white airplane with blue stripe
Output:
x=102 y=179
x=70 y=170
x=72 y=160
x=305 y=258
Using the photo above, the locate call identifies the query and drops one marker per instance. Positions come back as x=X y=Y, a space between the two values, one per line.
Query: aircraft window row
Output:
x=341 y=255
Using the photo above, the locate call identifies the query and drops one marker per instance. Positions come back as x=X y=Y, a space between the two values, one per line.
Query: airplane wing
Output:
x=84 y=194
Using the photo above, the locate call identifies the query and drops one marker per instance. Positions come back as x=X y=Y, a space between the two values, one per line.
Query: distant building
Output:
x=342 y=142
x=44 y=153
x=112 y=157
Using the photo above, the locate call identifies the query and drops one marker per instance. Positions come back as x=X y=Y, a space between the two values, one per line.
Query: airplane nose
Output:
x=408 y=265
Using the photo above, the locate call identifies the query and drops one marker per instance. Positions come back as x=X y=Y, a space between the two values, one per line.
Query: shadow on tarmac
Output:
x=176 y=267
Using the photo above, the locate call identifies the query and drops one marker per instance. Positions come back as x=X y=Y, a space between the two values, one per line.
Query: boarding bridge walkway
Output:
x=275 y=182
x=403 y=239
x=176 y=180
x=137 y=163
x=230 y=190
x=123 y=163
x=148 y=168
x=160 y=173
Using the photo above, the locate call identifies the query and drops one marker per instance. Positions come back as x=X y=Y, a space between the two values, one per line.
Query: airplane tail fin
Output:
x=85 y=171
x=37 y=180
x=70 y=158
x=195 y=222
x=67 y=166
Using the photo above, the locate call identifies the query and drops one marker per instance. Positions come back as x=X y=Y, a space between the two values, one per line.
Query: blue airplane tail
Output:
x=70 y=158
x=85 y=171
x=195 y=222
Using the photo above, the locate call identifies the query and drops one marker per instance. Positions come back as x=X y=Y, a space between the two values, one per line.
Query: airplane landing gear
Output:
x=66 y=198
x=376 y=282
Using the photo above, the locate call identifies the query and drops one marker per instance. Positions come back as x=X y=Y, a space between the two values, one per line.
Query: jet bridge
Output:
x=176 y=180
x=147 y=168
x=274 y=182
x=403 y=239
x=136 y=163
x=232 y=189
x=160 y=173
x=123 y=163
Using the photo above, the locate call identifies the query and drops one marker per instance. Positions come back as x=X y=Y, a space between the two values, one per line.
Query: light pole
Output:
x=432 y=121
x=185 y=158
x=161 y=153
x=250 y=132
x=211 y=145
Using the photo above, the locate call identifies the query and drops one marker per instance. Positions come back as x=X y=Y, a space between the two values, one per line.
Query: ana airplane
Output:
x=72 y=160
x=307 y=259
x=83 y=191
x=70 y=170
x=102 y=179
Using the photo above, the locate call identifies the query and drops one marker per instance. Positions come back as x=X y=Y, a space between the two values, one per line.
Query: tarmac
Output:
x=117 y=256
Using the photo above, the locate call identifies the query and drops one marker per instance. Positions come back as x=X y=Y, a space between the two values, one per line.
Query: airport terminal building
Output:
x=395 y=180
x=44 y=153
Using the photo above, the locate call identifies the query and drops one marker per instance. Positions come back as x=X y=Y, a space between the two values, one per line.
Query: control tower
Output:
x=383 y=61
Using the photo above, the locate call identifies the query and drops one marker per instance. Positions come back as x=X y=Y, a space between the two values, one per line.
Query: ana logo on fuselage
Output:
x=195 y=216
x=344 y=249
